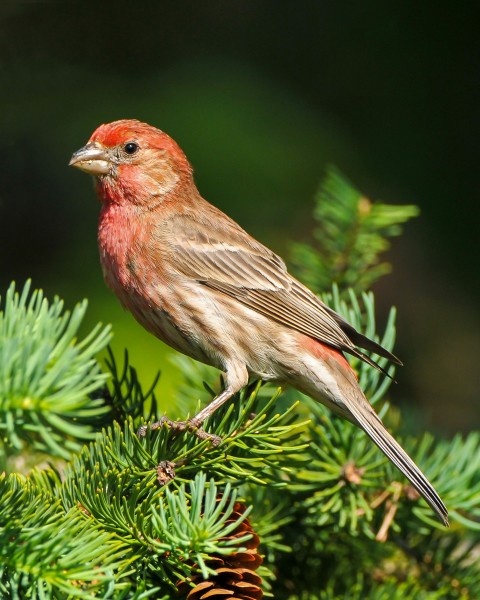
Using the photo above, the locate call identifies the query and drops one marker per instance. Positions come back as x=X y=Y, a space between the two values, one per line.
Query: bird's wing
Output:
x=233 y=263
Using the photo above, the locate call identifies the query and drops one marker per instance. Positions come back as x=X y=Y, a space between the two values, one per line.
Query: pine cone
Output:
x=236 y=578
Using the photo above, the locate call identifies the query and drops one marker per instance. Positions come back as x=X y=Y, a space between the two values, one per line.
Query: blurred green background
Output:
x=261 y=95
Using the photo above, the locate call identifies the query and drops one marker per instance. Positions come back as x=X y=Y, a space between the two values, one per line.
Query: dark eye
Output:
x=131 y=148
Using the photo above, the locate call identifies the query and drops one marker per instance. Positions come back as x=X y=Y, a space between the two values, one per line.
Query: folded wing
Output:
x=233 y=263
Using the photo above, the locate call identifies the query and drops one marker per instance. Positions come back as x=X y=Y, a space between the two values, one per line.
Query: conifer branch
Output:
x=47 y=375
x=351 y=234
x=133 y=518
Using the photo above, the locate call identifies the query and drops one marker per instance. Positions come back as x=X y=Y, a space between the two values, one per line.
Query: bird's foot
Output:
x=176 y=425
x=180 y=426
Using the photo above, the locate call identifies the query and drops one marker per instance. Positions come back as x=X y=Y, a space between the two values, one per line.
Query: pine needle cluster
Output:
x=294 y=504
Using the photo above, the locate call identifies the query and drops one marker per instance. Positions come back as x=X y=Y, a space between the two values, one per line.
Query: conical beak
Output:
x=92 y=158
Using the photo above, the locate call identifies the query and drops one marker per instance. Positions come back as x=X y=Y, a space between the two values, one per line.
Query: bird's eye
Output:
x=131 y=148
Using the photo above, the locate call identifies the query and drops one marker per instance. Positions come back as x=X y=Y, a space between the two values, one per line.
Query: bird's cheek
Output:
x=136 y=187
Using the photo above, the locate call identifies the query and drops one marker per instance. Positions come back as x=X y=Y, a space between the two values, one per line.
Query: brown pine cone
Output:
x=236 y=578
x=235 y=584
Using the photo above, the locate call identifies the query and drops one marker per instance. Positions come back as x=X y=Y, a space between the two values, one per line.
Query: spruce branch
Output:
x=167 y=528
x=361 y=589
x=131 y=518
x=194 y=524
x=455 y=467
x=47 y=374
x=350 y=235
x=47 y=552
x=125 y=393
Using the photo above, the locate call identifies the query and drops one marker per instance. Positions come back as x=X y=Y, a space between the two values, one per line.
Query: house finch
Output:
x=196 y=280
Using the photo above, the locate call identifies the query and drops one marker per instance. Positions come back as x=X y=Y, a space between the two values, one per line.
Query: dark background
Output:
x=261 y=95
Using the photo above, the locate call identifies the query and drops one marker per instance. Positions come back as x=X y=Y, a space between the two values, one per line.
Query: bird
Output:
x=192 y=277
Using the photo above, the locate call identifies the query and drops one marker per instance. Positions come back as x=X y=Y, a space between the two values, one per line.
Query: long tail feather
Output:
x=367 y=419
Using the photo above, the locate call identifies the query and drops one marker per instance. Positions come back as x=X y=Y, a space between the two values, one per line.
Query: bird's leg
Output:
x=236 y=378
x=193 y=424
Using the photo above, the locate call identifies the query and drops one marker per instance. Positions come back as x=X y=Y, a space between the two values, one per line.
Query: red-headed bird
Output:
x=196 y=280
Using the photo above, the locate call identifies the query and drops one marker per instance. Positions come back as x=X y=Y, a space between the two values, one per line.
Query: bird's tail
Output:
x=368 y=420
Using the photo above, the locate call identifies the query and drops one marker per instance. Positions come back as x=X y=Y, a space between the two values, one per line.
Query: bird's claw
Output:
x=204 y=435
x=180 y=426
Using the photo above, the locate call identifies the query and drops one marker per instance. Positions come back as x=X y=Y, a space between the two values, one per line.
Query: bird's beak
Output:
x=92 y=158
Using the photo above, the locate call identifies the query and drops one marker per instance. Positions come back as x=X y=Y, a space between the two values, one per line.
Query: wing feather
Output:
x=233 y=263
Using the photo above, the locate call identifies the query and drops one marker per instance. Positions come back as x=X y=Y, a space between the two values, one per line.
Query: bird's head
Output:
x=133 y=162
